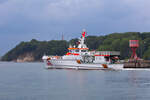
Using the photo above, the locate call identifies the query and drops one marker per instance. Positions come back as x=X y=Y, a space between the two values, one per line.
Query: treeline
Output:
x=37 y=48
x=111 y=42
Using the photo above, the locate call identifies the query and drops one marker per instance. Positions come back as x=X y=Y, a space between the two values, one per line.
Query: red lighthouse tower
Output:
x=134 y=44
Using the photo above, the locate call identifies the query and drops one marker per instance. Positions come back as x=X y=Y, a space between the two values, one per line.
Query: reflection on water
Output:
x=30 y=81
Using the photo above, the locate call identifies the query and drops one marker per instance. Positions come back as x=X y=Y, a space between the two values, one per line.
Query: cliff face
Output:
x=27 y=57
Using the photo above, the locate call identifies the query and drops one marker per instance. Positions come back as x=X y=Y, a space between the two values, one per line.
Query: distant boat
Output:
x=81 y=58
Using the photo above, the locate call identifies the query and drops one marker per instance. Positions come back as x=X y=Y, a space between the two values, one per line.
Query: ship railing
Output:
x=55 y=57
x=117 y=53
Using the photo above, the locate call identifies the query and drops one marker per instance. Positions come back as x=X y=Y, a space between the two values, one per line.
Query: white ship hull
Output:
x=72 y=64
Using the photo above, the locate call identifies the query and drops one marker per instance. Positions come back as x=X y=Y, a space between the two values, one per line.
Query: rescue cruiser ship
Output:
x=81 y=58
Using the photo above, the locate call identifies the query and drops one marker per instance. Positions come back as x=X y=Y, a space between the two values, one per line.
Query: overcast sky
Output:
x=22 y=20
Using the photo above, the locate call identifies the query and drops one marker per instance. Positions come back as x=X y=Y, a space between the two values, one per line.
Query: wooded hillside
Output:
x=111 y=42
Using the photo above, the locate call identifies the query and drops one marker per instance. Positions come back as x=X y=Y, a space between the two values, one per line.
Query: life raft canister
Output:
x=56 y=57
x=104 y=65
x=48 y=58
x=78 y=61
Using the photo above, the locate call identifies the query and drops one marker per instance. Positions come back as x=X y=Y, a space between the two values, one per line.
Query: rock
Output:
x=27 y=57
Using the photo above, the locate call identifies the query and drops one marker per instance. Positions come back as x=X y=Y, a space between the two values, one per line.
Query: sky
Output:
x=23 y=20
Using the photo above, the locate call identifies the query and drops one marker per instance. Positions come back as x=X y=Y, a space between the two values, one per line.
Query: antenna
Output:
x=62 y=37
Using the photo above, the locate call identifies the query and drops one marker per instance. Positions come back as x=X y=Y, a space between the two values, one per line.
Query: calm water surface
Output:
x=30 y=81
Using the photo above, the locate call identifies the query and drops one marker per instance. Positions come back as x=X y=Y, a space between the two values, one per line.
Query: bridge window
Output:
x=77 y=50
x=83 y=50
x=70 y=51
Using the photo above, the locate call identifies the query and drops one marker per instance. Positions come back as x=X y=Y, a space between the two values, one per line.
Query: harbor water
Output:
x=31 y=81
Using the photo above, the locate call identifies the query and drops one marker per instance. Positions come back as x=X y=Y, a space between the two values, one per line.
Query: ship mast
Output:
x=82 y=39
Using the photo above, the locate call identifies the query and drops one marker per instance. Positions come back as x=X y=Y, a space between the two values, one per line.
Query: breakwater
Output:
x=137 y=64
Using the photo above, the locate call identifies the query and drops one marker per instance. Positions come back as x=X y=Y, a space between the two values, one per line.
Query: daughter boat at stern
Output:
x=81 y=58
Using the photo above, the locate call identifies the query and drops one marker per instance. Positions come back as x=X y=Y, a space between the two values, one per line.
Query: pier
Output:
x=137 y=64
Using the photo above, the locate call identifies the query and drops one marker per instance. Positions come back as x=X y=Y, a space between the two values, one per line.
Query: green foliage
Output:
x=37 y=48
x=147 y=54
x=120 y=42
x=73 y=42
x=93 y=42
x=111 y=42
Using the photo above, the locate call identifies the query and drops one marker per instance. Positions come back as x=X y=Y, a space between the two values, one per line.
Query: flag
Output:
x=84 y=34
